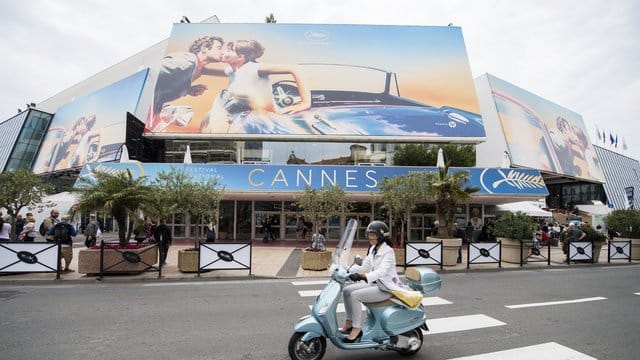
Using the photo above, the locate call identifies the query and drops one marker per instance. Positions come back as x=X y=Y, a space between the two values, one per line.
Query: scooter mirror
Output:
x=357 y=260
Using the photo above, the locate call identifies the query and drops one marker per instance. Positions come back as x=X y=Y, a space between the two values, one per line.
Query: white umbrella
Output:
x=440 y=162
x=506 y=160
x=187 y=155
x=124 y=157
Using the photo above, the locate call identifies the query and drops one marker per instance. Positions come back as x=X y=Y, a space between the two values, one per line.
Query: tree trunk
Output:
x=122 y=230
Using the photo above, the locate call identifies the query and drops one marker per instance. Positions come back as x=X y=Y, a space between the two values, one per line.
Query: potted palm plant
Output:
x=515 y=232
x=447 y=190
x=626 y=223
x=122 y=196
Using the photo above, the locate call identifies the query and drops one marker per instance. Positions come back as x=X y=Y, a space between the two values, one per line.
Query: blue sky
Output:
x=583 y=55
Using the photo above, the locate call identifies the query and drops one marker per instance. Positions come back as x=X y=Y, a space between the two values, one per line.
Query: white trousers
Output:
x=355 y=294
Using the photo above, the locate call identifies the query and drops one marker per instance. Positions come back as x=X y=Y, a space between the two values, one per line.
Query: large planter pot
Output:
x=315 y=260
x=450 y=250
x=188 y=261
x=121 y=260
x=597 y=248
x=512 y=250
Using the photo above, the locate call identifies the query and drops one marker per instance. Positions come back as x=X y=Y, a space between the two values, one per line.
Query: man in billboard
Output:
x=179 y=70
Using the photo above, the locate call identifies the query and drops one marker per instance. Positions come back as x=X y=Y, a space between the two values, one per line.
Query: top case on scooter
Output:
x=423 y=279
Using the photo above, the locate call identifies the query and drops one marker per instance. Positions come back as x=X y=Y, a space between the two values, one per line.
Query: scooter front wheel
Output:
x=306 y=350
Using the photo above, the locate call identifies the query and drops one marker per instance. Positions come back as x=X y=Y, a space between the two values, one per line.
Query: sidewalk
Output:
x=279 y=259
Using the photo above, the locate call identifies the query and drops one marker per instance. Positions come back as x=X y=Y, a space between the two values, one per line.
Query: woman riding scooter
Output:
x=381 y=262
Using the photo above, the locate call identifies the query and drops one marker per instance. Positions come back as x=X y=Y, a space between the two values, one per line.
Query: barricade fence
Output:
x=485 y=253
x=536 y=253
x=423 y=253
x=619 y=250
x=115 y=260
x=580 y=250
x=38 y=257
x=224 y=256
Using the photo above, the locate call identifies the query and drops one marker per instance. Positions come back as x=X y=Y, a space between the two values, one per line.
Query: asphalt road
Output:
x=254 y=319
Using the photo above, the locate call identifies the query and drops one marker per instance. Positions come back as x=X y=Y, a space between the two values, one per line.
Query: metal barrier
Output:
x=118 y=265
x=619 y=250
x=485 y=253
x=21 y=257
x=535 y=251
x=580 y=250
x=423 y=253
x=227 y=256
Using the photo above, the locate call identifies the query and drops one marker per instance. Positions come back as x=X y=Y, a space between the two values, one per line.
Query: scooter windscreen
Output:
x=343 y=250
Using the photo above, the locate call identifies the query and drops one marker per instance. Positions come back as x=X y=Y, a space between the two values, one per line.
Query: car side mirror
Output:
x=358 y=260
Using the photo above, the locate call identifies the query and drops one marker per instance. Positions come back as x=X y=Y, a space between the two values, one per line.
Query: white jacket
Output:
x=383 y=268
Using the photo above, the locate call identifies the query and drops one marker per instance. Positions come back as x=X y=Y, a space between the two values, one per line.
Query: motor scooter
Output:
x=390 y=325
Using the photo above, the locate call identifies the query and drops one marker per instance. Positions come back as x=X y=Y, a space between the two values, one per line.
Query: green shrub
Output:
x=626 y=222
x=518 y=226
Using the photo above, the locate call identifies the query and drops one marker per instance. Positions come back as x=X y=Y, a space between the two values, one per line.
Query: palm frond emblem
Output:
x=519 y=180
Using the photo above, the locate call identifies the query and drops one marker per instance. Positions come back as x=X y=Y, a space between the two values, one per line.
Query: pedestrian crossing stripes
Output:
x=575 y=301
x=461 y=323
x=549 y=350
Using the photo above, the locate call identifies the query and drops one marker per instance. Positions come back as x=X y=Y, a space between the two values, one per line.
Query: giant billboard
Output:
x=312 y=81
x=90 y=128
x=543 y=135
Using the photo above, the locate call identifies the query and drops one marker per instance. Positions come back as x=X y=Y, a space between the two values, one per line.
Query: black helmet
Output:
x=379 y=228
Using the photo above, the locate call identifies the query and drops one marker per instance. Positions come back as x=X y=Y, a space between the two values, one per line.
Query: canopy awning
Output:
x=526 y=207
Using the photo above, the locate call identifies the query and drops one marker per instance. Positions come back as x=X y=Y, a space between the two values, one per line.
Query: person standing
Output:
x=91 y=232
x=63 y=233
x=476 y=222
x=20 y=223
x=162 y=236
x=49 y=223
x=29 y=232
x=5 y=228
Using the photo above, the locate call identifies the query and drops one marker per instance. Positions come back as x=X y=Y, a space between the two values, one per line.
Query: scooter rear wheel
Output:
x=416 y=335
x=311 y=350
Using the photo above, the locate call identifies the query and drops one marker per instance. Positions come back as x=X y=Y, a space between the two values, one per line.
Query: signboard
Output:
x=364 y=179
x=310 y=81
x=629 y=192
x=91 y=128
x=543 y=135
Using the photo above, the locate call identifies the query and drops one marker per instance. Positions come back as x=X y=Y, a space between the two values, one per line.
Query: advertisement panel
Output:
x=315 y=81
x=295 y=178
x=543 y=135
x=91 y=128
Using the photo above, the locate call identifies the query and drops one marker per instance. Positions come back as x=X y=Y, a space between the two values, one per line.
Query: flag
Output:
x=598 y=132
x=611 y=139
x=604 y=138
x=616 y=143
x=624 y=144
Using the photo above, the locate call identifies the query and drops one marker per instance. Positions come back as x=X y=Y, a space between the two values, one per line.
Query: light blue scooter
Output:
x=390 y=325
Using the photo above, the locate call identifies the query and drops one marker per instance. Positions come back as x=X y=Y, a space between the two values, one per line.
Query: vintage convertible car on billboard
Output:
x=346 y=101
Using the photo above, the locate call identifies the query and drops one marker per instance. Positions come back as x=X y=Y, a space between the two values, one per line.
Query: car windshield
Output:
x=343 y=250
x=336 y=77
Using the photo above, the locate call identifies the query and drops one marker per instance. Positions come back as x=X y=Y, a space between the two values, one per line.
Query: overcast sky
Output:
x=583 y=55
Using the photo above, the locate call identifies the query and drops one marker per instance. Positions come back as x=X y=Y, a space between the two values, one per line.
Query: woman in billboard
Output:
x=250 y=91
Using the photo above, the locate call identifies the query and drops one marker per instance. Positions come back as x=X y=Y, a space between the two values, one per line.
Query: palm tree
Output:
x=118 y=193
x=448 y=191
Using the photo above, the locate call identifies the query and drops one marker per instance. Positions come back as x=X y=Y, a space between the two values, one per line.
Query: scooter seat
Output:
x=381 y=303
